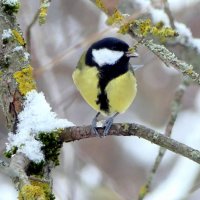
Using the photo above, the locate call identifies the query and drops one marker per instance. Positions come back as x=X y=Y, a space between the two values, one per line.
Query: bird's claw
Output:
x=107 y=125
x=94 y=125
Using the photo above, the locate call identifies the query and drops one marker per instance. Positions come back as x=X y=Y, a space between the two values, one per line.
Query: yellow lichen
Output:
x=189 y=71
x=32 y=192
x=100 y=4
x=36 y=190
x=146 y=28
x=18 y=37
x=115 y=18
x=125 y=127
x=143 y=191
x=25 y=80
x=124 y=28
x=43 y=11
x=131 y=50
x=43 y=15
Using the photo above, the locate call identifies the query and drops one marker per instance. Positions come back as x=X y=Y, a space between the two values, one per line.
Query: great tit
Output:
x=106 y=80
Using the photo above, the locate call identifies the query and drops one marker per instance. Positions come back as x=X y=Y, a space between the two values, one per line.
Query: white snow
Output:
x=26 y=55
x=183 y=30
x=18 y=48
x=159 y=15
x=144 y=4
x=35 y=118
x=195 y=43
x=185 y=34
x=10 y=2
x=6 y=34
x=174 y=5
x=106 y=56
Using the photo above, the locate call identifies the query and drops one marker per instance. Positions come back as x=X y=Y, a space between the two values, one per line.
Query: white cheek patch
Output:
x=106 y=56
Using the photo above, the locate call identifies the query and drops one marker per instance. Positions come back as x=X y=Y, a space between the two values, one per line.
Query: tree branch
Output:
x=175 y=107
x=169 y=13
x=28 y=31
x=77 y=133
x=159 y=50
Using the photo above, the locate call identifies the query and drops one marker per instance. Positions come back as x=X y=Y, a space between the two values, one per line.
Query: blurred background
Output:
x=112 y=168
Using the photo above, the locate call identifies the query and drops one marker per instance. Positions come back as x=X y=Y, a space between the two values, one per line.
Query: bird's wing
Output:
x=81 y=62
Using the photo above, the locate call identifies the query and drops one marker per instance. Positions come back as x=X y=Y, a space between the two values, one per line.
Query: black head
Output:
x=108 y=51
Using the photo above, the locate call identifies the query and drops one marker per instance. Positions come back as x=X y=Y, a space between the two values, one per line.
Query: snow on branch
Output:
x=185 y=35
x=36 y=117
x=141 y=29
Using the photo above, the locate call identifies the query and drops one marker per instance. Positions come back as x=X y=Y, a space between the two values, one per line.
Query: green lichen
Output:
x=18 y=36
x=25 y=80
x=52 y=145
x=11 y=7
x=11 y=152
x=51 y=150
x=36 y=169
x=6 y=61
x=36 y=190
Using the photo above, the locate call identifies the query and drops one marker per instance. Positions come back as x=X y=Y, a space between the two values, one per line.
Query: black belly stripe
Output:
x=106 y=74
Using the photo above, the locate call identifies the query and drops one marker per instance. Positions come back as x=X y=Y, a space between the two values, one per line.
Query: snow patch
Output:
x=35 y=118
x=6 y=34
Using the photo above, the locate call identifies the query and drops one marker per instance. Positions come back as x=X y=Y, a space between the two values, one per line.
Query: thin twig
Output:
x=169 y=13
x=28 y=31
x=168 y=57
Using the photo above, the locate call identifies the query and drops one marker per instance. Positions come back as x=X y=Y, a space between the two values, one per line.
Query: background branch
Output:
x=175 y=108
x=28 y=31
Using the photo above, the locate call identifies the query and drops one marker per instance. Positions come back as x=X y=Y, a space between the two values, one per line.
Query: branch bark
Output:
x=15 y=81
x=77 y=133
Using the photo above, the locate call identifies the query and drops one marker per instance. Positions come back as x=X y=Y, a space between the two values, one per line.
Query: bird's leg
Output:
x=108 y=123
x=94 y=125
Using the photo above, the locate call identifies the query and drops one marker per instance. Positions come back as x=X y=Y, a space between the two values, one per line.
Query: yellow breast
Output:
x=86 y=81
x=121 y=92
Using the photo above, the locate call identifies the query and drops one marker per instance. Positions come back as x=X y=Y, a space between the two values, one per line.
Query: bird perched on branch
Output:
x=106 y=80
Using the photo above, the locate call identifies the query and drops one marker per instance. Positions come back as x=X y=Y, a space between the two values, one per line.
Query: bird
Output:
x=106 y=80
